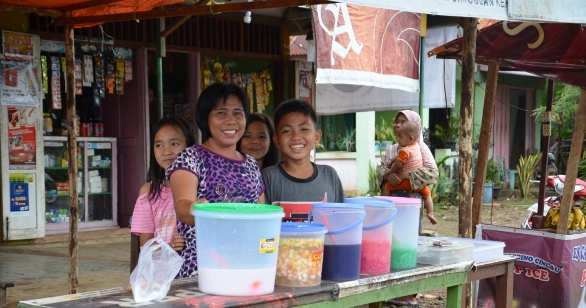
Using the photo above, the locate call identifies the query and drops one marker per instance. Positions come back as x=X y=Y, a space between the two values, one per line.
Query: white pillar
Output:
x=365 y=154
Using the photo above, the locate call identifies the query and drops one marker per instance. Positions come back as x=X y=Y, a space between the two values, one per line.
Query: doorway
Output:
x=517 y=124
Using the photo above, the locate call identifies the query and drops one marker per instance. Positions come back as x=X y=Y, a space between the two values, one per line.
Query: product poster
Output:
x=21 y=187
x=19 y=83
x=305 y=90
x=22 y=135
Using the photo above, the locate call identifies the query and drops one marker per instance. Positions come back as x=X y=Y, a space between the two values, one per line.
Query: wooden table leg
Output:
x=504 y=287
x=3 y=287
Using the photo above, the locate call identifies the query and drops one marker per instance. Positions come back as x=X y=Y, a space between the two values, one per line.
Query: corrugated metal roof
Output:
x=297 y=45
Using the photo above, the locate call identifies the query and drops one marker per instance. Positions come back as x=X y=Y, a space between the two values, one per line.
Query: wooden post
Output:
x=484 y=144
x=466 y=113
x=466 y=117
x=537 y=219
x=72 y=155
x=573 y=161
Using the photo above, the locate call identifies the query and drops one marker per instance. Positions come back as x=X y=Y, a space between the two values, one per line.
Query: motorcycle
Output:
x=555 y=183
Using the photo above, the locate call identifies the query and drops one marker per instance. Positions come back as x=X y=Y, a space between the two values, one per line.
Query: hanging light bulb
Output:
x=247 y=17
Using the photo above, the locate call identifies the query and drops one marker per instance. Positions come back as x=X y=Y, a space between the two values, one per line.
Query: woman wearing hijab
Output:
x=423 y=176
x=419 y=178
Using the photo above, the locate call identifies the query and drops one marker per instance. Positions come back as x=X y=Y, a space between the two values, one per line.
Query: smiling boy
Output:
x=297 y=178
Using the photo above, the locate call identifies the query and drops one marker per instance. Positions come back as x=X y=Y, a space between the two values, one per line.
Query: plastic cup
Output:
x=237 y=245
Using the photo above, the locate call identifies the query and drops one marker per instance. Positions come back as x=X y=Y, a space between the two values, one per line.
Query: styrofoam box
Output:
x=484 y=250
x=455 y=251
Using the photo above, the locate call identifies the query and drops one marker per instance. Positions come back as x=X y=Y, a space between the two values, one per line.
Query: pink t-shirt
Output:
x=411 y=157
x=158 y=218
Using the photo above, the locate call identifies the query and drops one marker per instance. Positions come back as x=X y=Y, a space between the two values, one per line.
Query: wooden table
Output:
x=366 y=290
x=502 y=269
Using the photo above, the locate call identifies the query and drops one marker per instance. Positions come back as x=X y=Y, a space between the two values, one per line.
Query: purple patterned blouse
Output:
x=221 y=179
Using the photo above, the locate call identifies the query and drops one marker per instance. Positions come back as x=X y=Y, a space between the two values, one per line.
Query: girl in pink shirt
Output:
x=154 y=212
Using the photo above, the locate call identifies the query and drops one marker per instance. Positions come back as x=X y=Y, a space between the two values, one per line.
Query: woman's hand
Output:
x=177 y=243
x=393 y=178
x=396 y=178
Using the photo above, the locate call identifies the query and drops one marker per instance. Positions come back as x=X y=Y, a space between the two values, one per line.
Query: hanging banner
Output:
x=22 y=135
x=439 y=75
x=367 y=46
x=367 y=58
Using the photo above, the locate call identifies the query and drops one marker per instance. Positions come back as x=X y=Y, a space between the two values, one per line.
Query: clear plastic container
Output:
x=377 y=235
x=484 y=250
x=301 y=249
x=343 y=239
x=237 y=245
x=443 y=251
x=405 y=232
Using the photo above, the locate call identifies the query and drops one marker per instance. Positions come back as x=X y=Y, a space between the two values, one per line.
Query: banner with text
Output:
x=550 y=270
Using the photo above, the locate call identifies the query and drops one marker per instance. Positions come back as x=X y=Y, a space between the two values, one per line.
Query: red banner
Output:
x=367 y=46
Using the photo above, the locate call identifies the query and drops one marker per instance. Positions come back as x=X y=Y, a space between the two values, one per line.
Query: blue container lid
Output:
x=339 y=205
x=302 y=227
x=370 y=201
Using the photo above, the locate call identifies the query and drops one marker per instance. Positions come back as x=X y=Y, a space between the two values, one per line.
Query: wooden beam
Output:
x=573 y=161
x=187 y=10
x=298 y=15
x=484 y=144
x=175 y=25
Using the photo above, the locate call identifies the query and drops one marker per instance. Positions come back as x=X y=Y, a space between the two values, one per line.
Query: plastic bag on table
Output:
x=158 y=264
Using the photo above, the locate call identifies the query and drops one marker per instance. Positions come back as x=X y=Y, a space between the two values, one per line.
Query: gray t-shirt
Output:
x=280 y=186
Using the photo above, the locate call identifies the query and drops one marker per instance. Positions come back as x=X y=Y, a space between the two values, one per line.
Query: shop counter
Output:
x=366 y=290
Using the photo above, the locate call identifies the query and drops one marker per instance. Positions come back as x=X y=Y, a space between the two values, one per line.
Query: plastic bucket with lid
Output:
x=377 y=234
x=301 y=249
x=295 y=210
x=405 y=232
x=237 y=245
x=343 y=239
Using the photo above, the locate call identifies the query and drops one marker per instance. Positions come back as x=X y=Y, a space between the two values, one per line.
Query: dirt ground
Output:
x=41 y=270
